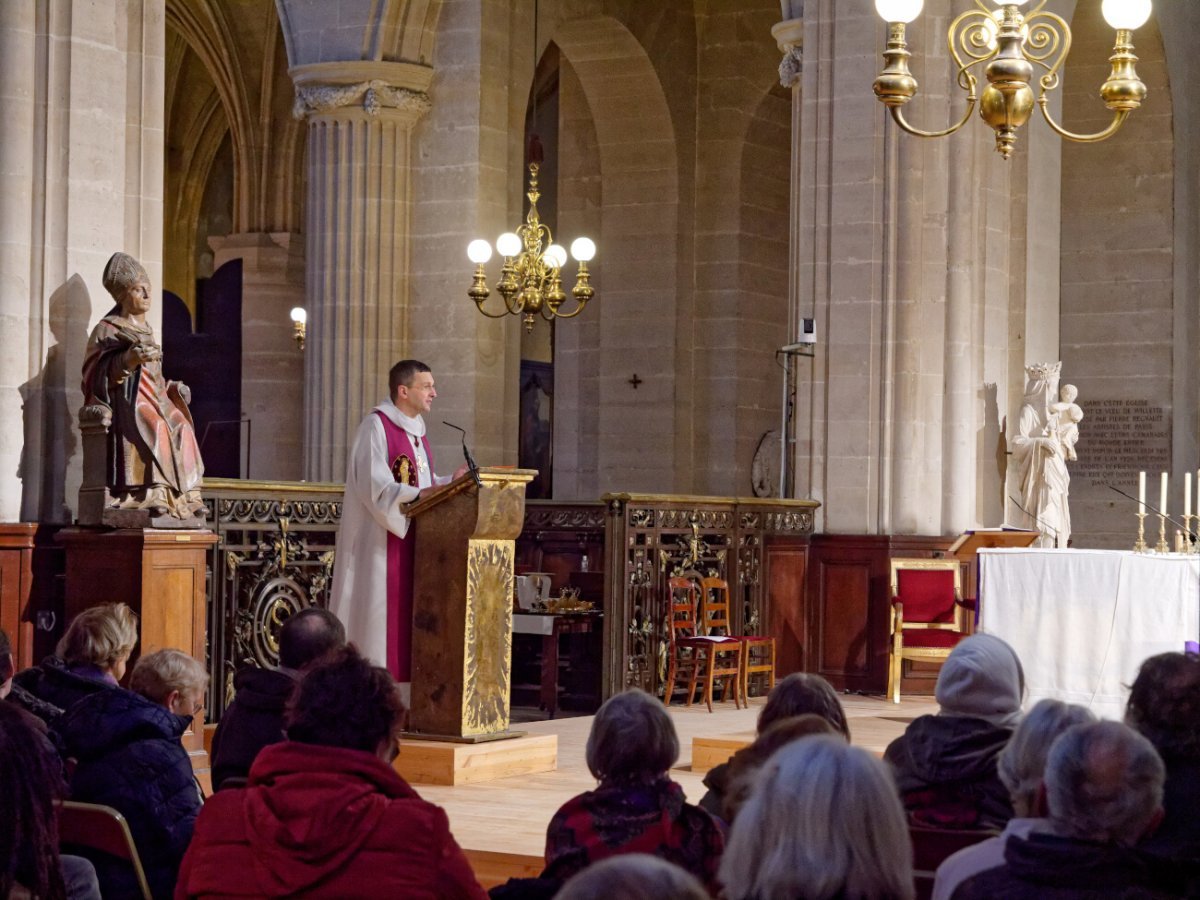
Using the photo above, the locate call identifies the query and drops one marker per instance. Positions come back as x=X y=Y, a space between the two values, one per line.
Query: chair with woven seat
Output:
x=928 y=615
x=704 y=658
x=758 y=651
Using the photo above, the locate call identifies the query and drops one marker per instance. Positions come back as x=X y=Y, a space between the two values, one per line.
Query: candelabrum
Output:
x=1162 y=546
x=1140 y=545
x=530 y=283
x=1011 y=46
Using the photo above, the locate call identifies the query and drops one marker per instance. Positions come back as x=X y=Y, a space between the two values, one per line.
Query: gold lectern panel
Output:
x=488 y=639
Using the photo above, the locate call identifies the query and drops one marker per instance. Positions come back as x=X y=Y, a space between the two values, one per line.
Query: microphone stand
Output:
x=471 y=465
x=1036 y=520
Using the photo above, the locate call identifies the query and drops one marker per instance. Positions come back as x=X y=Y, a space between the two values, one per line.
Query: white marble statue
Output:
x=1047 y=432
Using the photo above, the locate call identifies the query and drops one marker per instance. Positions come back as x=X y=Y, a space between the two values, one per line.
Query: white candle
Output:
x=1187 y=496
x=1162 y=495
x=1141 y=491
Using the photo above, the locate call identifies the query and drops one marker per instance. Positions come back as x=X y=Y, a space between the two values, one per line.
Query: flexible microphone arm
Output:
x=1035 y=518
x=471 y=466
x=1184 y=528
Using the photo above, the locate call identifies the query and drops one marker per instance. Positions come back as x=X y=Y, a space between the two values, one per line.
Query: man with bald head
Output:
x=1102 y=794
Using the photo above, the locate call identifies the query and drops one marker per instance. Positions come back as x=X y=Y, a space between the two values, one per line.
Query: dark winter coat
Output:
x=1178 y=837
x=252 y=721
x=1046 y=867
x=324 y=822
x=55 y=684
x=945 y=768
x=129 y=757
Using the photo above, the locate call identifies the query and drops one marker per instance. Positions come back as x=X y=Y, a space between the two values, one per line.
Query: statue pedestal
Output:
x=160 y=574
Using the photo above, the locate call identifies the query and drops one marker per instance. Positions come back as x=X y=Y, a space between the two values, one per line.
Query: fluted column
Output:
x=360 y=120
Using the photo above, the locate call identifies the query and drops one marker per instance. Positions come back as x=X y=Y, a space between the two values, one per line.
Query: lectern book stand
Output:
x=462 y=606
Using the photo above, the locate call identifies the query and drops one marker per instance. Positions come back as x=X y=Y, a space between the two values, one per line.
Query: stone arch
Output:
x=636 y=273
x=1117 y=273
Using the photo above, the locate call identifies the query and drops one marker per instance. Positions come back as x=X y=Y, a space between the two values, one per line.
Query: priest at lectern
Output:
x=389 y=466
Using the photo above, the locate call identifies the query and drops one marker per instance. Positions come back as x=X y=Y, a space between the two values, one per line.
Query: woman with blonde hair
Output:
x=823 y=821
x=90 y=657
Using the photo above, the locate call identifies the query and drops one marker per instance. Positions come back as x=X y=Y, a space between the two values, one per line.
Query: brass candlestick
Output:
x=1140 y=545
x=1191 y=546
x=1161 y=546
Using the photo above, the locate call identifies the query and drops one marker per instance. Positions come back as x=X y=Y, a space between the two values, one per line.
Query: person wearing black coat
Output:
x=53 y=687
x=255 y=717
x=128 y=756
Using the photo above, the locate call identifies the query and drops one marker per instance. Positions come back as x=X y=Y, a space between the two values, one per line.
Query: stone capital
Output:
x=361 y=84
x=789 y=36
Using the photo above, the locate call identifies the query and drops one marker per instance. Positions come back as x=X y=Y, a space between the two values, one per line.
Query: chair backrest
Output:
x=714 y=606
x=682 y=598
x=928 y=588
x=95 y=827
x=931 y=846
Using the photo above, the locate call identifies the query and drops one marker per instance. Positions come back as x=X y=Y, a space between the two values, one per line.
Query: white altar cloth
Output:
x=1082 y=621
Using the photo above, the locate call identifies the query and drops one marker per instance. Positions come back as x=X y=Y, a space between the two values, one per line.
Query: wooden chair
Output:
x=928 y=615
x=91 y=826
x=758 y=651
x=931 y=847
x=707 y=657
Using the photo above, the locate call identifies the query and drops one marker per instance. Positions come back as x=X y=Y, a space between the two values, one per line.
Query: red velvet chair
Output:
x=928 y=615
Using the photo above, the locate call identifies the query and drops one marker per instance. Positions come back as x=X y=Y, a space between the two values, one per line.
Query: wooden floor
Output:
x=502 y=824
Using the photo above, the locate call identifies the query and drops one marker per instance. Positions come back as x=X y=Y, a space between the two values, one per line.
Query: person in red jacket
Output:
x=324 y=815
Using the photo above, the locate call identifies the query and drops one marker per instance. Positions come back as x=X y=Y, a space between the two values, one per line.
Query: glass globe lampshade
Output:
x=299 y=314
x=583 y=249
x=899 y=10
x=556 y=254
x=479 y=251
x=508 y=244
x=1125 y=15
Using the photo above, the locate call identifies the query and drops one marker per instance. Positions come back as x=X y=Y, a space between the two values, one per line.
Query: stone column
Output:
x=360 y=119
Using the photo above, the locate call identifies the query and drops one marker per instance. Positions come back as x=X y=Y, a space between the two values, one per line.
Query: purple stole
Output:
x=400 y=559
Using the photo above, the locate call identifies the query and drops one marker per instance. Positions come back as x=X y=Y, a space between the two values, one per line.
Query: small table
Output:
x=552 y=626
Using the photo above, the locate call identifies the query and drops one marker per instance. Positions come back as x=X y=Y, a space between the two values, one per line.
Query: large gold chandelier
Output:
x=530 y=278
x=1012 y=46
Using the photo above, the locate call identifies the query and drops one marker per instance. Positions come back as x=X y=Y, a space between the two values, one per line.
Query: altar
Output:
x=1082 y=621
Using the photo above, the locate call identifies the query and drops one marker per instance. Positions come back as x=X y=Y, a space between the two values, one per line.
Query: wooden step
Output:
x=448 y=763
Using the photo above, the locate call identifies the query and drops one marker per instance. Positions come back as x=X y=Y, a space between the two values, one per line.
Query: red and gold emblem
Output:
x=404 y=471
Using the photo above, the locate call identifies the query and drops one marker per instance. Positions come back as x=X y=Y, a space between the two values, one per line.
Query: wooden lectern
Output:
x=966 y=549
x=462 y=606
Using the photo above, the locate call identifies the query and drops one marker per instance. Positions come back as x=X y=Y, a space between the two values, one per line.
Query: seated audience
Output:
x=1164 y=706
x=636 y=808
x=1103 y=794
x=90 y=657
x=30 y=782
x=633 y=876
x=255 y=718
x=822 y=822
x=40 y=711
x=324 y=815
x=742 y=769
x=128 y=754
x=796 y=695
x=945 y=764
x=1022 y=766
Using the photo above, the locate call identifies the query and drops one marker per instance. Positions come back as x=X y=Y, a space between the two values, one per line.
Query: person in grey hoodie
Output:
x=945 y=764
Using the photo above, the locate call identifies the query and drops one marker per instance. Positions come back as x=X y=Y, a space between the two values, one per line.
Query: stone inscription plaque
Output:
x=1119 y=438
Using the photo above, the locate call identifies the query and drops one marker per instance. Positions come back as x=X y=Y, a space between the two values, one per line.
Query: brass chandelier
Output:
x=530 y=278
x=1012 y=46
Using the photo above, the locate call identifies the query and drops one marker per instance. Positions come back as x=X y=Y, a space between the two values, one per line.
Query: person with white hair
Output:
x=945 y=764
x=128 y=754
x=1103 y=788
x=633 y=876
x=1022 y=766
x=823 y=822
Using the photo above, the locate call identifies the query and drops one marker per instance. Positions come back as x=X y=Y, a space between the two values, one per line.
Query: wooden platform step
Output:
x=492 y=867
x=709 y=751
x=438 y=762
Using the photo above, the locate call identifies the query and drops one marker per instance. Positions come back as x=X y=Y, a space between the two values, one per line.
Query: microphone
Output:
x=1017 y=503
x=471 y=466
x=1191 y=535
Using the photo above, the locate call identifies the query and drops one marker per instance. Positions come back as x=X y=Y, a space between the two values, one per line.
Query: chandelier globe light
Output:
x=1012 y=44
